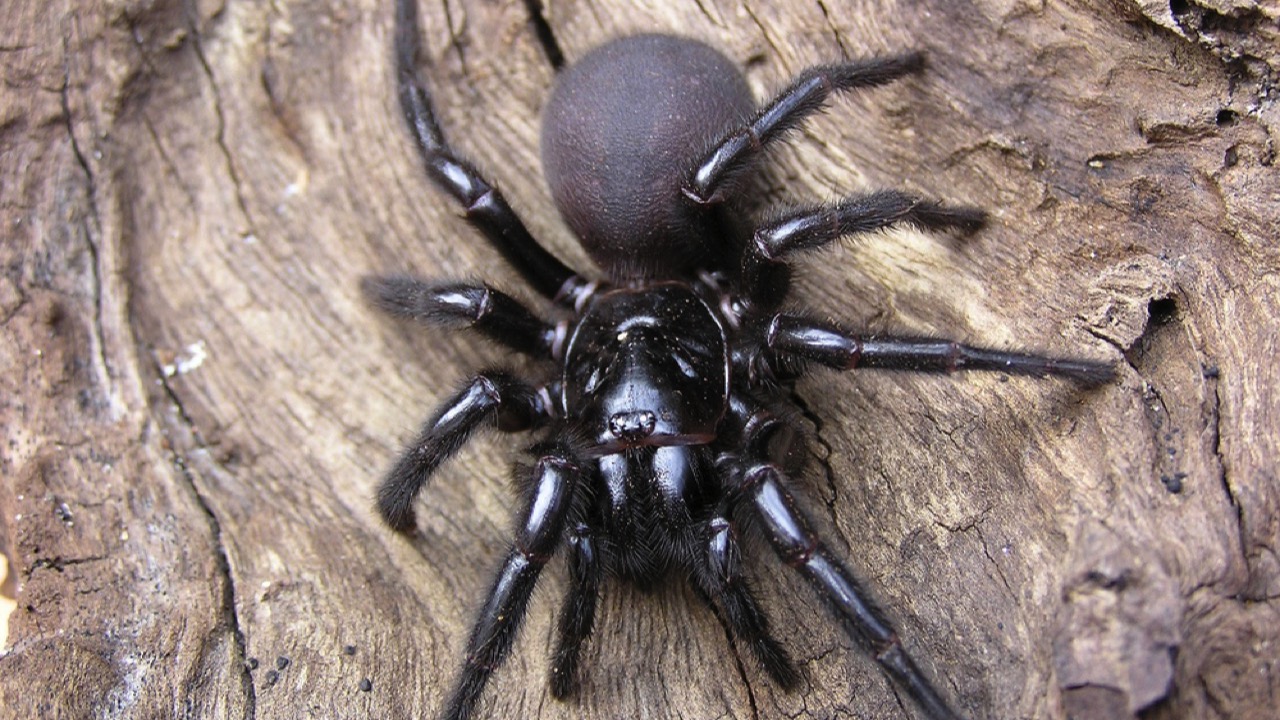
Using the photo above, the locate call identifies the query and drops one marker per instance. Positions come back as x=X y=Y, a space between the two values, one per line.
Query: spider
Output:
x=664 y=412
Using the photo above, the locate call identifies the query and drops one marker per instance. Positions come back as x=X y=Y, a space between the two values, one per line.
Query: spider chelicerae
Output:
x=663 y=408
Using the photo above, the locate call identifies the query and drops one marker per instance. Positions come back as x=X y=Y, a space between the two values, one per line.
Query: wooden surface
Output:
x=196 y=404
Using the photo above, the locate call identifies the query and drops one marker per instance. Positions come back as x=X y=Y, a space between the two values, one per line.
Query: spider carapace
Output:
x=662 y=408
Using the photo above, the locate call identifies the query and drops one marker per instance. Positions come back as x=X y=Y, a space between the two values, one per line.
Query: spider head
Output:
x=637 y=377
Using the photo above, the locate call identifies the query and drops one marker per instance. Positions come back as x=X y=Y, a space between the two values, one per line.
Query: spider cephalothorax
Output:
x=661 y=408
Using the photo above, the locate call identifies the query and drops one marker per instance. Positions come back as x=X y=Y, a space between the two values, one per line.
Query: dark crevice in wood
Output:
x=545 y=33
x=220 y=136
x=230 y=615
x=91 y=225
x=823 y=459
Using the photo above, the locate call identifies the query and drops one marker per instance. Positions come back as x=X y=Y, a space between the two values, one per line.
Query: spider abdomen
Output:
x=619 y=134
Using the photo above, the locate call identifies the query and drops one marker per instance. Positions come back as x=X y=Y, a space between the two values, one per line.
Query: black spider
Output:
x=664 y=418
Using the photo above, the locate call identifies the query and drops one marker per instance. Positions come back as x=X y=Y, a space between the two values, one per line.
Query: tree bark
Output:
x=197 y=404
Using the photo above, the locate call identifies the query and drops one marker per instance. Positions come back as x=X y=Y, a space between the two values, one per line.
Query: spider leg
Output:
x=766 y=277
x=829 y=345
x=493 y=399
x=721 y=577
x=578 y=615
x=485 y=207
x=817 y=225
x=493 y=314
x=762 y=484
x=805 y=96
x=555 y=477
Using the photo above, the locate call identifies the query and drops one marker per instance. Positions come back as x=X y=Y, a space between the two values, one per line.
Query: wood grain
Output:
x=196 y=404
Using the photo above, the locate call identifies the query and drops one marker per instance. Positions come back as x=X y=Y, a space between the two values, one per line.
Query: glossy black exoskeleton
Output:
x=662 y=419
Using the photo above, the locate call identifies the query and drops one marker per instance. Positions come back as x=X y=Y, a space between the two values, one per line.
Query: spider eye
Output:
x=684 y=365
x=593 y=381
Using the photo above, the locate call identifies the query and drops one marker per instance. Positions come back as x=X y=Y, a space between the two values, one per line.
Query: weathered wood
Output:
x=196 y=404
